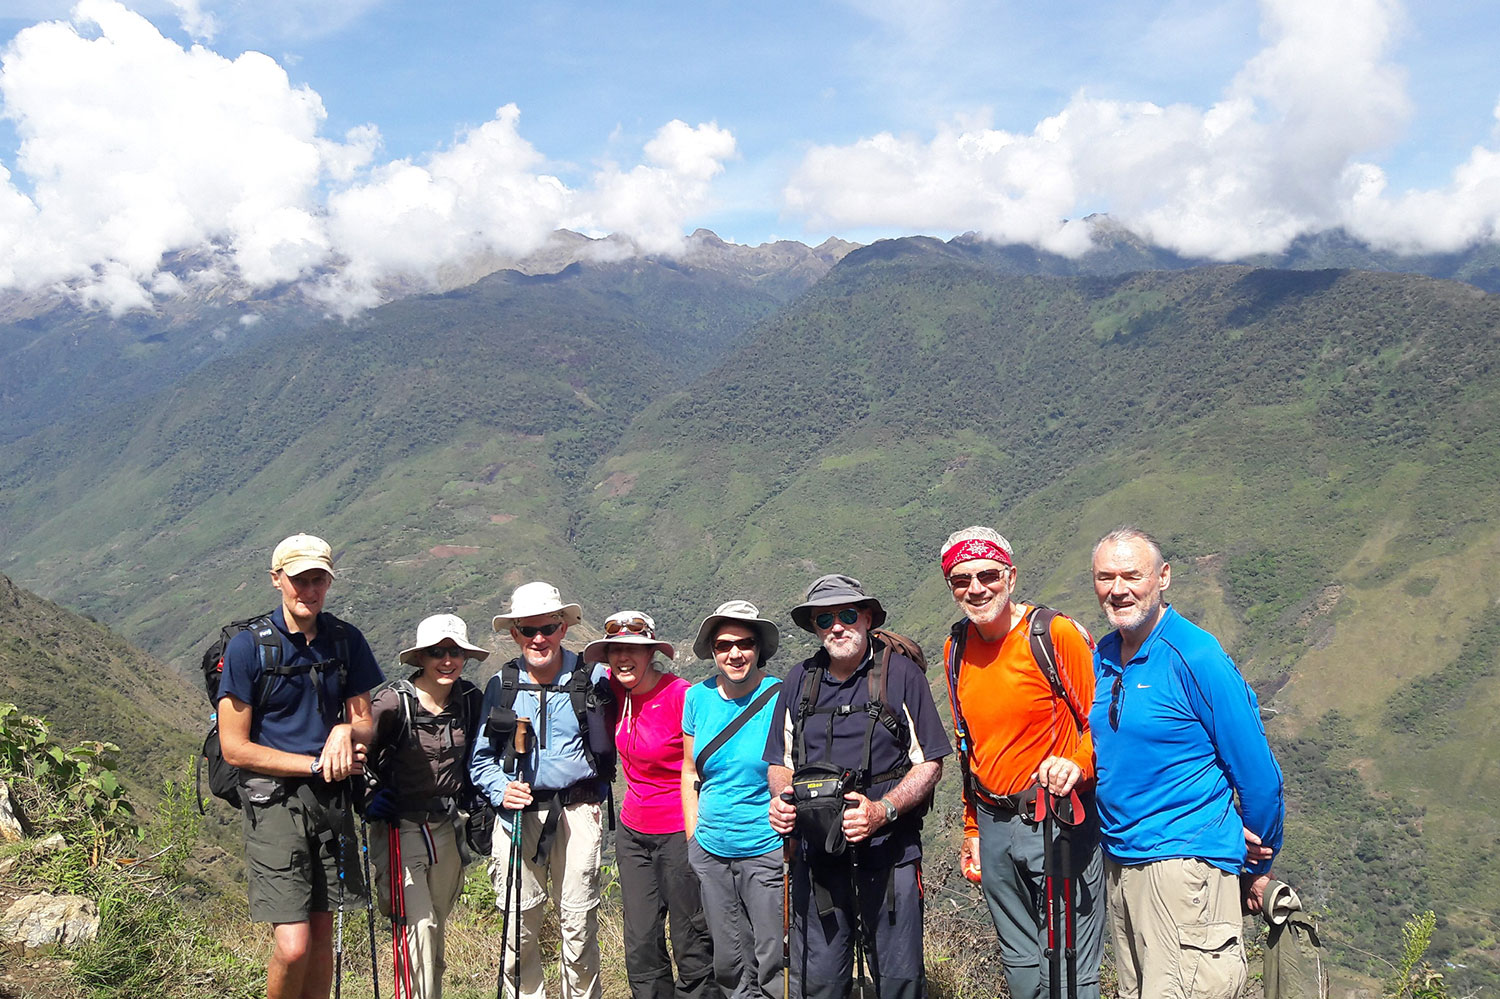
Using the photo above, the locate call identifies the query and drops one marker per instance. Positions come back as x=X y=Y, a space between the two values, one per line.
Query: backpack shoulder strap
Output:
x=812 y=682
x=267 y=654
x=1045 y=653
x=958 y=637
x=728 y=731
x=510 y=682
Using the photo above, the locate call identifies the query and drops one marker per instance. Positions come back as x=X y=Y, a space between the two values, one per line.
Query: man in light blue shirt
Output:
x=554 y=789
x=1186 y=780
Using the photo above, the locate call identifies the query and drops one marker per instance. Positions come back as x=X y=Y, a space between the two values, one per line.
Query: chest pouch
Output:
x=818 y=791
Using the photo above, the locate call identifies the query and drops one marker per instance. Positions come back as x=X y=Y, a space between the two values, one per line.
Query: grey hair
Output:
x=1129 y=532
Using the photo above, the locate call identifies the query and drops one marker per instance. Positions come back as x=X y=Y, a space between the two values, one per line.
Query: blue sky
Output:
x=395 y=137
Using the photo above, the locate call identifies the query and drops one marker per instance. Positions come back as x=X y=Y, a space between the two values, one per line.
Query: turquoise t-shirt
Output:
x=734 y=803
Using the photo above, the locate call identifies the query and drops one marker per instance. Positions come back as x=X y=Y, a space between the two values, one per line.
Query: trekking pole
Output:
x=1070 y=950
x=859 y=933
x=400 y=948
x=1049 y=875
x=364 y=849
x=787 y=845
x=338 y=930
x=521 y=745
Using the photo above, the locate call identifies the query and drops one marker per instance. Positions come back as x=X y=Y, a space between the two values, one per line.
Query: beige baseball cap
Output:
x=301 y=552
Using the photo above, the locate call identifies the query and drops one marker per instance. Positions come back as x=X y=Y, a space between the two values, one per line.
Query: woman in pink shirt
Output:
x=650 y=842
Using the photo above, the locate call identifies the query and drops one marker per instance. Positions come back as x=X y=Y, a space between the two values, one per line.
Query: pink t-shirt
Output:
x=649 y=739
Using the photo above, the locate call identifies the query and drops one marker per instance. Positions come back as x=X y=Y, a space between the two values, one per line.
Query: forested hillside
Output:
x=1316 y=449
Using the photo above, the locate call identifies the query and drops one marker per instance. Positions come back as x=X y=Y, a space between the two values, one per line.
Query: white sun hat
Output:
x=626 y=628
x=434 y=629
x=533 y=600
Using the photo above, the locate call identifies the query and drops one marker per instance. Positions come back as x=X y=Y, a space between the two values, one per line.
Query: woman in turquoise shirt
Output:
x=726 y=802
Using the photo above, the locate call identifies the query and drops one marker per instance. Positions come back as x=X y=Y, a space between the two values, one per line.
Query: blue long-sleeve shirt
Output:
x=1187 y=741
x=557 y=759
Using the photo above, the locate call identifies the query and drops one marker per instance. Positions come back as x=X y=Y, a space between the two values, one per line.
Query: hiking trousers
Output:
x=742 y=902
x=656 y=880
x=890 y=902
x=1012 y=876
x=570 y=874
x=1177 y=929
x=431 y=879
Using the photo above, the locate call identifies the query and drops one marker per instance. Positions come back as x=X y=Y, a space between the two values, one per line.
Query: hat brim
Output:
x=297 y=566
x=572 y=614
x=802 y=614
x=597 y=651
x=410 y=656
x=767 y=635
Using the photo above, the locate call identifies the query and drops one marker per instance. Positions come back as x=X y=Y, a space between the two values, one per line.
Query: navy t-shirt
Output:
x=301 y=709
x=908 y=697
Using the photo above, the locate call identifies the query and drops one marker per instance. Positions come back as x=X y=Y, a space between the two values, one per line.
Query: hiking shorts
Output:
x=293 y=858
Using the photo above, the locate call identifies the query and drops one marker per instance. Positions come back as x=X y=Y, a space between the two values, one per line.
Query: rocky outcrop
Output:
x=39 y=922
x=10 y=824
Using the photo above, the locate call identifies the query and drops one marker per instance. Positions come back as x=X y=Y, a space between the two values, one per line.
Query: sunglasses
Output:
x=633 y=625
x=846 y=617
x=533 y=630
x=961 y=581
x=726 y=645
x=444 y=652
x=1115 y=698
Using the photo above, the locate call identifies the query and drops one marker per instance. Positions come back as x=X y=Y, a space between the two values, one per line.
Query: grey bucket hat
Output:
x=767 y=635
x=836 y=590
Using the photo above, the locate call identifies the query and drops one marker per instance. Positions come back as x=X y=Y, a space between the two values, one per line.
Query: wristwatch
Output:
x=890 y=810
x=317 y=767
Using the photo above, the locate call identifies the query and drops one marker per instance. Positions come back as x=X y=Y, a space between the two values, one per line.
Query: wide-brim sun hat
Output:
x=835 y=590
x=767 y=635
x=433 y=630
x=631 y=628
x=534 y=600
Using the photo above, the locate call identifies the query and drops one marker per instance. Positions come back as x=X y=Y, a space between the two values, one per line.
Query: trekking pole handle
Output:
x=522 y=739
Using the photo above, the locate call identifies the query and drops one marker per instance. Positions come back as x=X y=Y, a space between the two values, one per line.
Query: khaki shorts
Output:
x=293 y=853
x=1177 y=930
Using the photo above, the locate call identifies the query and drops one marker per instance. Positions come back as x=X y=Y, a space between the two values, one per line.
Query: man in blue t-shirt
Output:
x=296 y=734
x=896 y=756
x=1186 y=781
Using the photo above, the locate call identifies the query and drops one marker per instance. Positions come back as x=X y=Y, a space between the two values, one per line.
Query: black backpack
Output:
x=223 y=779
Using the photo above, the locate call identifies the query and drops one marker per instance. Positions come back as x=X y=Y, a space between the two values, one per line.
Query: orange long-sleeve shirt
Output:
x=1014 y=720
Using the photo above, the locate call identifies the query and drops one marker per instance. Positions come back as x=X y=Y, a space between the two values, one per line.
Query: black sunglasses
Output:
x=846 y=617
x=724 y=645
x=1115 y=698
x=444 y=651
x=532 y=630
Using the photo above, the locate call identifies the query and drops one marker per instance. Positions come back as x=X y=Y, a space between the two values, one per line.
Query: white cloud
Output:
x=1283 y=152
x=195 y=21
x=654 y=201
x=134 y=147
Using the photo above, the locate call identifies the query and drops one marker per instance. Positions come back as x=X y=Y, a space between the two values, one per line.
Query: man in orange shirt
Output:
x=1022 y=725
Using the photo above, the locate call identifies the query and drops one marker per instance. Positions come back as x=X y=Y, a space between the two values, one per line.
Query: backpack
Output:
x=875 y=709
x=1043 y=653
x=223 y=779
x=479 y=827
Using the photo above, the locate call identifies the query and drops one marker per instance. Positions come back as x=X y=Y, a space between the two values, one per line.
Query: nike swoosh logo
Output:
x=1142 y=686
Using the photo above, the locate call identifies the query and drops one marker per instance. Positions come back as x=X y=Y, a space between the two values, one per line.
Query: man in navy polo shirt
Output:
x=1186 y=781
x=897 y=766
x=296 y=736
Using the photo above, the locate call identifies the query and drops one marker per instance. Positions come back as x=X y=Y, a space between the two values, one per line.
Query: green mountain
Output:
x=1316 y=450
x=90 y=684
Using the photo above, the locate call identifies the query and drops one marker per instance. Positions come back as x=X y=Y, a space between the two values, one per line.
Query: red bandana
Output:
x=972 y=548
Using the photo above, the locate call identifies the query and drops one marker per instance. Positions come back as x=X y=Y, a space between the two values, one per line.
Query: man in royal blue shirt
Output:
x=296 y=735
x=1186 y=781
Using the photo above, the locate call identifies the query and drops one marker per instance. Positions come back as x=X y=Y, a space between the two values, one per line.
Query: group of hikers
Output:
x=774 y=826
